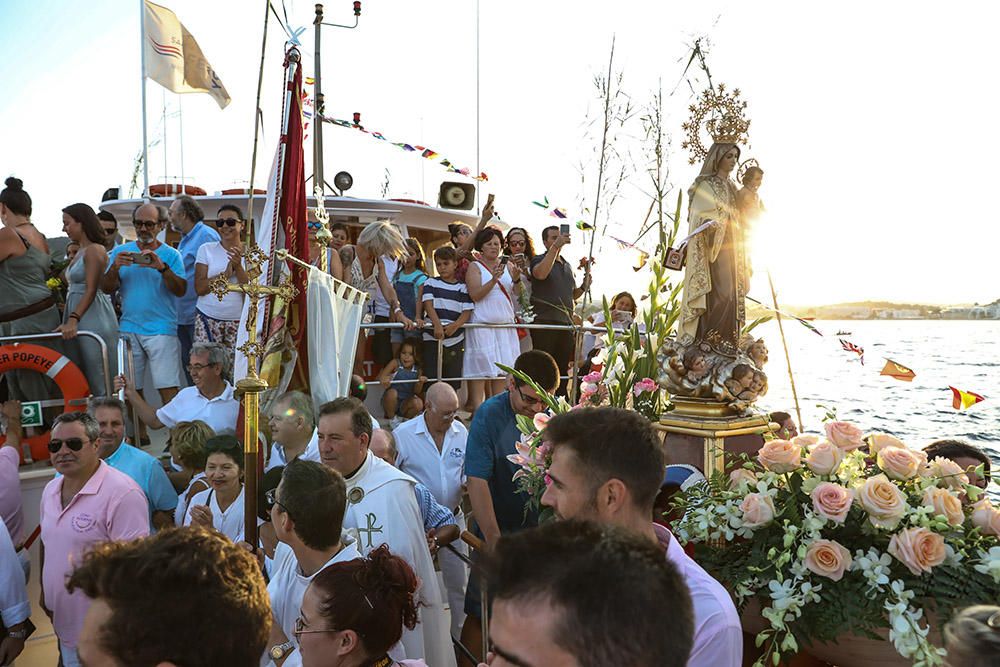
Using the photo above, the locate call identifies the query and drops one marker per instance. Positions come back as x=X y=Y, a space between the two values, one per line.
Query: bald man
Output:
x=432 y=450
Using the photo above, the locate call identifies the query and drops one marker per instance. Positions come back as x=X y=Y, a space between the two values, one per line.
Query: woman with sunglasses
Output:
x=354 y=612
x=221 y=506
x=215 y=320
x=316 y=249
x=87 y=307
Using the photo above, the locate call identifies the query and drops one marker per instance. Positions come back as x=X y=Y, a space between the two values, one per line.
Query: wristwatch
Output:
x=281 y=650
x=19 y=635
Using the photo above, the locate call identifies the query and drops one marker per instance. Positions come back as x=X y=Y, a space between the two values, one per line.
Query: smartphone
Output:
x=564 y=228
x=143 y=260
x=519 y=259
x=503 y=260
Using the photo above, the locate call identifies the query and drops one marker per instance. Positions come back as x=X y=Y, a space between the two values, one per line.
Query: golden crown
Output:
x=721 y=113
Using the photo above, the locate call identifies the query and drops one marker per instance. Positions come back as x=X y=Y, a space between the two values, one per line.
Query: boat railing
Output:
x=58 y=336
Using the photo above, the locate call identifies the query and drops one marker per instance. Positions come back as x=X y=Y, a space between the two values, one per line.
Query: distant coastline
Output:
x=885 y=310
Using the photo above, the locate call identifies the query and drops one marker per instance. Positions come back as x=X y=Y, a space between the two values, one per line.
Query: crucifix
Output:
x=372 y=528
x=250 y=387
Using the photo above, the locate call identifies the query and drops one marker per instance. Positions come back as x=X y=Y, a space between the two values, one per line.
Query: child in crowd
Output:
x=408 y=282
x=447 y=305
x=403 y=383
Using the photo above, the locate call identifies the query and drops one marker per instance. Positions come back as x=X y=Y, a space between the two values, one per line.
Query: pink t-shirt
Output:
x=10 y=494
x=718 y=635
x=110 y=506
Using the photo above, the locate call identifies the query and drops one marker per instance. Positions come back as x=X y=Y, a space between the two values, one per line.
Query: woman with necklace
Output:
x=353 y=613
x=28 y=306
x=221 y=506
x=87 y=307
x=493 y=285
x=218 y=320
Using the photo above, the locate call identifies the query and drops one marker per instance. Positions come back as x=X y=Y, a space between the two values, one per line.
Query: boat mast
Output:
x=142 y=85
x=319 y=184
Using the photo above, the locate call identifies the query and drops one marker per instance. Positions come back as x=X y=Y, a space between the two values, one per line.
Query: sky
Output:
x=869 y=119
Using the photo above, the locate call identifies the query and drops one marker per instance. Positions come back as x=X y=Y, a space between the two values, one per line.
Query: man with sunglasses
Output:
x=307 y=512
x=150 y=275
x=186 y=217
x=89 y=503
x=431 y=449
x=497 y=504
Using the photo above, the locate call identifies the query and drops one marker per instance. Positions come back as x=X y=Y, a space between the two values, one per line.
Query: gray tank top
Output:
x=22 y=278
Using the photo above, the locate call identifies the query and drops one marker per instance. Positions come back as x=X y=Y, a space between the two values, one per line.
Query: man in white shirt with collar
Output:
x=210 y=399
x=307 y=513
x=607 y=467
x=432 y=451
x=293 y=430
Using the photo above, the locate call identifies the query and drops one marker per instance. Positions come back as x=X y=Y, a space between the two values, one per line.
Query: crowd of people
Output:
x=354 y=519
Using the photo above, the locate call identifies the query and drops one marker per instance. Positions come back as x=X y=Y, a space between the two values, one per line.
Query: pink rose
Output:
x=919 y=549
x=845 y=435
x=827 y=559
x=883 y=501
x=986 y=518
x=899 y=463
x=593 y=378
x=780 y=456
x=832 y=501
x=805 y=440
x=758 y=510
x=644 y=385
x=740 y=476
x=948 y=473
x=824 y=458
x=878 y=441
x=945 y=503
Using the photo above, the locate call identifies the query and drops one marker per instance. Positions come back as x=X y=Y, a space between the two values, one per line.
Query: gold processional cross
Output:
x=250 y=387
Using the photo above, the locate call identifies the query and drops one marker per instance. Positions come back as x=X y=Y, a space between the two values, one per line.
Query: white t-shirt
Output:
x=277 y=455
x=214 y=256
x=189 y=404
x=230 y=522
x=381 y=304
x=288 y=586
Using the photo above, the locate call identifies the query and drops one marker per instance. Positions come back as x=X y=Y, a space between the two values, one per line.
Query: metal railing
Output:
x=58 y=336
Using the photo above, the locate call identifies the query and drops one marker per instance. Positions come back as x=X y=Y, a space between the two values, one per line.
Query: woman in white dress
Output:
x=220 y=507
x=493 y=285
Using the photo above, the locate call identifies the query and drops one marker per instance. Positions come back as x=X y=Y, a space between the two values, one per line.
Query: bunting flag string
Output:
x=851 y=347
x=964 y=399
x=642 y=258
x=801 y=321
x=557 y=212
x=426 y=153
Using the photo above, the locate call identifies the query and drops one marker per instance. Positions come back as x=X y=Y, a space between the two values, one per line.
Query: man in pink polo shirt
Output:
x=607 y=466
x=89 y=503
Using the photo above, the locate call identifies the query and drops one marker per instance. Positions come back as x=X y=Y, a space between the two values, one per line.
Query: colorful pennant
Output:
x=426 y=153
x=963 y=399
x=558 y=212
x=897 y=371
x=851 y=347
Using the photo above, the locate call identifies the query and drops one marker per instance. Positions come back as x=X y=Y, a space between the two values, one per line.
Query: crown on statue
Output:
x=720 y=112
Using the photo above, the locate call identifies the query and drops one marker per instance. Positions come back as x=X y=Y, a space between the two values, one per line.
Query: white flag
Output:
x=174 y=60
x=335 y=312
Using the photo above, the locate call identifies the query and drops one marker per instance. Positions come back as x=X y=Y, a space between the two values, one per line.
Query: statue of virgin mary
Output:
x=716 y=273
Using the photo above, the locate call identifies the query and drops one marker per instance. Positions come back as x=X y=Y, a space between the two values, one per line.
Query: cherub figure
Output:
x=758 y=353
x=747 y=200
x=696 y=364
x=739 y=380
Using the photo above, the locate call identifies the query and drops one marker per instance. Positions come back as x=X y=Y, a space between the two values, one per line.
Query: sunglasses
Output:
x=315 y=225
x=74 y=444
x=228 y=222
x=271 y=497
x=145 y=223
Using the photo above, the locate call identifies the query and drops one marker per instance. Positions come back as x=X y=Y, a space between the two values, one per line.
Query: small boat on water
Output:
x=842 y=332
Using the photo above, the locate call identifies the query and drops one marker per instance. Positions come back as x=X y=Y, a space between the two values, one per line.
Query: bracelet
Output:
x=74 y=315
x=163 y=270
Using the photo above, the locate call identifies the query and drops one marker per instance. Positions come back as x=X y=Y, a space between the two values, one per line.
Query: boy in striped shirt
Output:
x=448 y=306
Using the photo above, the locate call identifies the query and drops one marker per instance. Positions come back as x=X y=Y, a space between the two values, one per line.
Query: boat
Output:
x=842 y=332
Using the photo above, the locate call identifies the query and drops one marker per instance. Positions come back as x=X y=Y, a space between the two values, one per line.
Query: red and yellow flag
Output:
x=898 y=371
x=964 y=399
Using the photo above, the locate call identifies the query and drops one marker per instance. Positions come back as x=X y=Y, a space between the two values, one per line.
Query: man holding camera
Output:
x=553 y=291
x=150 y=274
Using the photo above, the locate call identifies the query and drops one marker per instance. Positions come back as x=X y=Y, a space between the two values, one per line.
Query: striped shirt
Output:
x=435 y=514
x=449 y=300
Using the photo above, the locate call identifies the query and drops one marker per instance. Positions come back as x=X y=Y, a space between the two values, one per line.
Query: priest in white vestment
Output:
x=382 y=509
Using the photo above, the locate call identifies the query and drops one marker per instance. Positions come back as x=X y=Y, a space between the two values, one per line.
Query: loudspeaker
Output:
x=457 y=195
x=109 y=194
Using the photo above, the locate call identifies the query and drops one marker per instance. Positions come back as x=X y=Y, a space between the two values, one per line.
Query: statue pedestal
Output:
x=701 y=432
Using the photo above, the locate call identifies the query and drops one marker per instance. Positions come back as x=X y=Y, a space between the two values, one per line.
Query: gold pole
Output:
x=788 y=359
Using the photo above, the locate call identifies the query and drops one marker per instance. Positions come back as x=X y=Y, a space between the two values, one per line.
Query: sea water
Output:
x=962 y=354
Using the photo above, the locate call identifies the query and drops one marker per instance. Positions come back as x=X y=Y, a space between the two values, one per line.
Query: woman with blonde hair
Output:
x=369 y=266
x=187 y=458
x=972 y=637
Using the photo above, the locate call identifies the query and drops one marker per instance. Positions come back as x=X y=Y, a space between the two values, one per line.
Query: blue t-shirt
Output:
x=148 y=307
x=188 y=246
x=491 y=439
x=148 y=474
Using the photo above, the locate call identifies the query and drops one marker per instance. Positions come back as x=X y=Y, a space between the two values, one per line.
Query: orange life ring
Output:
x=173 y=189
x=243 y=191
x=66 y=375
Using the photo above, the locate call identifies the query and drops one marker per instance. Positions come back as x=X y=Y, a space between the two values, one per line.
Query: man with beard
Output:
x=149 y=274
x=607 y=466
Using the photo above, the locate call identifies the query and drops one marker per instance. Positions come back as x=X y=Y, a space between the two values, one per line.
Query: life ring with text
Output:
x=67 y=376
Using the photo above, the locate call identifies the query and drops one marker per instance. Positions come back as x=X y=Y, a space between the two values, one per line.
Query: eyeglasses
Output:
x=271 y=497
x=74 y=444
x=145 y=223
x=228 y=222
x=197 y=368
x=314 y=225
x=530 y=400
x=300 y=628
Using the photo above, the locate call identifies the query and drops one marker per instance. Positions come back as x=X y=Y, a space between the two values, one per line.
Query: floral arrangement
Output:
x=847 y=535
